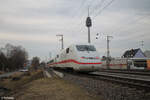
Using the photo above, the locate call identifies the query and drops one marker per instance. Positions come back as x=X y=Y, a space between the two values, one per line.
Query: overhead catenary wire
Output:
x=85 y=4
x=79 y=8
x=99 y=5
x=89 y=6
x=135 y=20
x=108 y=4
x=130 y=23
x=79 y=11
x=75 y=14
x=80 y=30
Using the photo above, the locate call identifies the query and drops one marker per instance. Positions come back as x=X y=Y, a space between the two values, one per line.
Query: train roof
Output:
x=73 y=46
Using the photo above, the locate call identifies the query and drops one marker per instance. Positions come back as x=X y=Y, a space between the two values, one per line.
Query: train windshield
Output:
x=85 y=48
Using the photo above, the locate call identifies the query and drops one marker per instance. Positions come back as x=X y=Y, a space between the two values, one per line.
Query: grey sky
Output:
x=35 y=23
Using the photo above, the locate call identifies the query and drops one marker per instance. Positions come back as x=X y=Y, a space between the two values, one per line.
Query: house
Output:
x=134 y=53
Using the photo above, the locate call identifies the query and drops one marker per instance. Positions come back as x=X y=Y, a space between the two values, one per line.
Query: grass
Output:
x=53 y=89
x=33 y=86
x=22 y=79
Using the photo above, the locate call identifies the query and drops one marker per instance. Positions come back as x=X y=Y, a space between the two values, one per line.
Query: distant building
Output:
x=134 y=53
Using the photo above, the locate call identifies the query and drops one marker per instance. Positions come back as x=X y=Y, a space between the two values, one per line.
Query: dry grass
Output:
x=17 y=74
x=34 y=86
x=52 y=89
x=24 y=78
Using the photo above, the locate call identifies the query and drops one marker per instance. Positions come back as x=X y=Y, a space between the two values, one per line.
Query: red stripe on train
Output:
x=74 y=61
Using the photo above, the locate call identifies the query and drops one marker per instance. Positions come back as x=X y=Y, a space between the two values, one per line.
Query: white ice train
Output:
x=77 y=57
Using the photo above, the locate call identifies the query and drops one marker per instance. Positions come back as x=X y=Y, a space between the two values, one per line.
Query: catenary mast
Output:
x=88 y=24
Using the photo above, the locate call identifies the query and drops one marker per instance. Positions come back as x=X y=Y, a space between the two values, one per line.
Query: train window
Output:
x=85 y=48
x=141 y=63
x=67 y=50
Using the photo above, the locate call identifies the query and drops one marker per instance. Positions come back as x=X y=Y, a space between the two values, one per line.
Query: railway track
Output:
x=113 y=86
x=138 y=72
x=134 y=80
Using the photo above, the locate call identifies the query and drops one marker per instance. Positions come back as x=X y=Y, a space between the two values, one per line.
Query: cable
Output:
x=81 y=5
x=131 y=23
x=104 y=8
x=98 y=6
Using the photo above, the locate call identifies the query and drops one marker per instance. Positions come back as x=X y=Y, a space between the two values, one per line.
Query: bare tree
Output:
x=3 y=61
x=13 y=57
x=35 y=62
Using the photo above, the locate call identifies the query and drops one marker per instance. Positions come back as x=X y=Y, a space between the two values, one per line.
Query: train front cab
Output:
x=88 y=58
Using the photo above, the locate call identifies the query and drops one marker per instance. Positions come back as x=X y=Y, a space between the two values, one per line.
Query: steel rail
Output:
x=136 y=82
x=138 y=72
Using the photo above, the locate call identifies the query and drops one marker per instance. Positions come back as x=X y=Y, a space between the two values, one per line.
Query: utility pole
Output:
x=108 y=52
x=142 y=44
x=88 y=24
x=62 y=40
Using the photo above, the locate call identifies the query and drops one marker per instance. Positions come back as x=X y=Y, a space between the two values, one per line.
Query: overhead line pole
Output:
x=88 y=24
x=62 y=40
x=108 y=51
x=142 y=44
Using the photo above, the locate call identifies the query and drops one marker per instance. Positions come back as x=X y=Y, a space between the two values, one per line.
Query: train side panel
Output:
x=128 y=63
x=115 y=64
